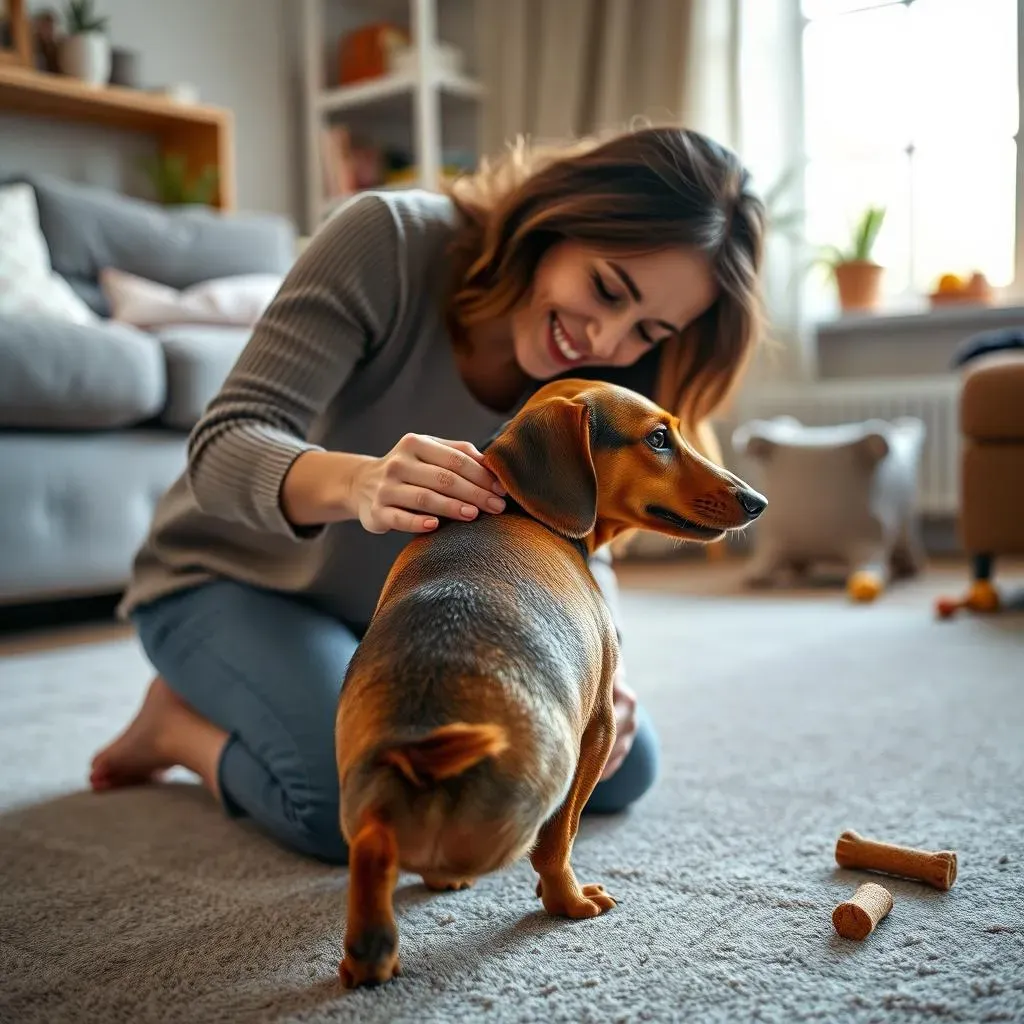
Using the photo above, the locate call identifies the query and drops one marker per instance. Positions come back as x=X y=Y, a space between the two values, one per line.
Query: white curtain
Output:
x=560 y=69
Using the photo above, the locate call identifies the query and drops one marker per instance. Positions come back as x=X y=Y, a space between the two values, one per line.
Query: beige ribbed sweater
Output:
x=352 y=354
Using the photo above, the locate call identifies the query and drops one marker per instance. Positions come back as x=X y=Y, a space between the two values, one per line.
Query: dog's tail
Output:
x=445 y=752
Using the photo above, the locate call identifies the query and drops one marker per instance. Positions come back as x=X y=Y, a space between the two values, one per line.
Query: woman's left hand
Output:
x=625 y=721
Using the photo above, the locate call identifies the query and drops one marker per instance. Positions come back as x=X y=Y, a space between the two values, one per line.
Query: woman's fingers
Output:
x=466 y=447
x=456 y=489
x=625 y=725
x=460 y=458
x=625 y=718
x=425 y=501
x=615 y=759
x=474 y=453
x=406 y=522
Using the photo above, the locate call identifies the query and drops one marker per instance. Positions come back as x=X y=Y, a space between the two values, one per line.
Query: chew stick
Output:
x=857 y=917
x=937 y=867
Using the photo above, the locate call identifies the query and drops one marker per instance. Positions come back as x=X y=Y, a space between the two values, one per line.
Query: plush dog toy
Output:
x=843 y=493
x=476 y=715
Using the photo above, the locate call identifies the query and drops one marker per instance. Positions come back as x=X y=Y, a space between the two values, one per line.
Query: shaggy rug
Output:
x=784 y=720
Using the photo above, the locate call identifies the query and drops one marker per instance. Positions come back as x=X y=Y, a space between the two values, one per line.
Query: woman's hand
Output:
x=625 y=722
x=421 y=480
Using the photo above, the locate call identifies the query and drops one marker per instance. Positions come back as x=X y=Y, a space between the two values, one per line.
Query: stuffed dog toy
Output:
x=476 y=716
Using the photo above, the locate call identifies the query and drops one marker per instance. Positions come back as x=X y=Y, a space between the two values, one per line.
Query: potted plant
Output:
x=858 y=276
x=85 y=49
x=173 y=186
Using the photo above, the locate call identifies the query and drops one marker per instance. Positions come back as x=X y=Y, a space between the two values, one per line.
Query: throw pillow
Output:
x=238 y=300
x=28 y=283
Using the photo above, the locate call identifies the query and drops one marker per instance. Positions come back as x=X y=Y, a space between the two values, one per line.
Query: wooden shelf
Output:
x=202 y=134
x=388 y=86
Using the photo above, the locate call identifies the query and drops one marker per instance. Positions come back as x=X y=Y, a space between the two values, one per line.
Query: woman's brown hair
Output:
x=639 y=191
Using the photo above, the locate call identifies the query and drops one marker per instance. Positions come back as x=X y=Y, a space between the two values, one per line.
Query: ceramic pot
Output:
x=86 y=56
x=860 y=285
x=124 y=68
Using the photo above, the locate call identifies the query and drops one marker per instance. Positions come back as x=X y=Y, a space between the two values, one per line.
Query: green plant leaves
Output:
x=865 y=234
x=867 y=231
x=173 y=186
x=80 y=17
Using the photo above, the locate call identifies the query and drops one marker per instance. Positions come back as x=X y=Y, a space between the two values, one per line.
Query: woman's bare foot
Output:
x=145 y=749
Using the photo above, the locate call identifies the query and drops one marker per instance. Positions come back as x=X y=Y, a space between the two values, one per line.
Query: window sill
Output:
x=902 y=344
x=969 y=318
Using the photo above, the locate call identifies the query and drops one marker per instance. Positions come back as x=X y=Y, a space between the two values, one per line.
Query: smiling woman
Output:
x=588 y=308
x=602 y=250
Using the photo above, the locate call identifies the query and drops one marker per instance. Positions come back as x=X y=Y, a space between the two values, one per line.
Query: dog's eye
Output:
x=658 y=439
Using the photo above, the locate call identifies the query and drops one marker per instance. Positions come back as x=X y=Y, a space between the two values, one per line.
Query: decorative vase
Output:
x=860 y=285
x=86 y=56
x=124 y=68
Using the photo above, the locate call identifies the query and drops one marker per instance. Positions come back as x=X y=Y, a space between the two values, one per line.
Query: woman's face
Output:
x=588 y=307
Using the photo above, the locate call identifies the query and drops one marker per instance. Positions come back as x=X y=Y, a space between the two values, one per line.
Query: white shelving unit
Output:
x=423 y=111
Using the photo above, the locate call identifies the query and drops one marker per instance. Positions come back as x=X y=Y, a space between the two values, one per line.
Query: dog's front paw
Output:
x=371 y=958
x=574 y=900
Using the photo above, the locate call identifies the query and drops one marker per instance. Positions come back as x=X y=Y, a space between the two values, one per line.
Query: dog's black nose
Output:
x=752 y=503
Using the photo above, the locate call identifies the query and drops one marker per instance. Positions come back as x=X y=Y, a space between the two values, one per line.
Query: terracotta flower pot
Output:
x=860 y=285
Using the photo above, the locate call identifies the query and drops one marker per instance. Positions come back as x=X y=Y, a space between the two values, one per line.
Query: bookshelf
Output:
x=424 y=113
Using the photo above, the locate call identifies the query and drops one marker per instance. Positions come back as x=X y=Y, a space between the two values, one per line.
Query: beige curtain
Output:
x=559 y=69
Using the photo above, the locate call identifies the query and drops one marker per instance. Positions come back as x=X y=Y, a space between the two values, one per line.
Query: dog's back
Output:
x=472 y=670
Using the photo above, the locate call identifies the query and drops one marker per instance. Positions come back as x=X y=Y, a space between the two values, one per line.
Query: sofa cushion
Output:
x=239 y=300
x=28 y=283
x=992 y=402
x=198 y=359
x=90 y=228
x=76 y=507
x=77 y=376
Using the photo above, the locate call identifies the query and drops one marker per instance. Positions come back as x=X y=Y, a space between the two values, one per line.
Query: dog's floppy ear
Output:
x=543 y=460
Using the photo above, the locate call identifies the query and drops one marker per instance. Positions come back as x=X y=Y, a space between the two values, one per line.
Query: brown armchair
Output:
x=992 y=472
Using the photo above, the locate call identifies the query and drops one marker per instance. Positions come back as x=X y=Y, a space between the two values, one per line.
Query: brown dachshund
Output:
x=476 y=715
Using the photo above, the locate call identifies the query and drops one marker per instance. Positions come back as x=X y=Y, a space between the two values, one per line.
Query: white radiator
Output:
x=934 y=400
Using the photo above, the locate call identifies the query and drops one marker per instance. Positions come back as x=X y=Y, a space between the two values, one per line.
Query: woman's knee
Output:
x=293 y=794
x=635 y=776
x=318 y=831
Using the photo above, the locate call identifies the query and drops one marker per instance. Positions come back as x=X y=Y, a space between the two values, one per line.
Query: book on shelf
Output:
x=349 y=163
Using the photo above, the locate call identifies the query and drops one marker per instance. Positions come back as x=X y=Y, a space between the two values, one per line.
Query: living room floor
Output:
x=785 y=718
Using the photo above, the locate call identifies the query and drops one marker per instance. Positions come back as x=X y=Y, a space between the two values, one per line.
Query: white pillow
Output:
x=28 y=282
x=238 y=300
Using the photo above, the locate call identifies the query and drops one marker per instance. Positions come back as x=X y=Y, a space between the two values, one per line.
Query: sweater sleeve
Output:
x=337 y=303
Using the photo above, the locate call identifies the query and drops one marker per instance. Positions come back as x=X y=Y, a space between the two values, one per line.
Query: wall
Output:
x=241 y=54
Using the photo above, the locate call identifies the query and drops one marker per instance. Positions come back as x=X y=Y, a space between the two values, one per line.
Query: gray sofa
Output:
x=94 y=419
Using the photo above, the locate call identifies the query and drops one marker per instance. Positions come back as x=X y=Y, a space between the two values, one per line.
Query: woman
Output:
x=411 y=327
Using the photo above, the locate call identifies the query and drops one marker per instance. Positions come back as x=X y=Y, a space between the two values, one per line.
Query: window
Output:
x=914 y=105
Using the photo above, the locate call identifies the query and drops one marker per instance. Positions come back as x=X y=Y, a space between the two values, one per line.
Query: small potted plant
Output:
x=85 y=49
x=858 y=276
x=173 y=185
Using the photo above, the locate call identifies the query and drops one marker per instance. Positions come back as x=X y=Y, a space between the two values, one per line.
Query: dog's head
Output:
x=593 y=459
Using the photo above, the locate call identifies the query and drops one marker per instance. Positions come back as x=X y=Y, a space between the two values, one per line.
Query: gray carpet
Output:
x=785 y=720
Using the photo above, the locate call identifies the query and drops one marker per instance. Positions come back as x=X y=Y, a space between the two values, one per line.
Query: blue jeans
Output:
x=267 y=669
